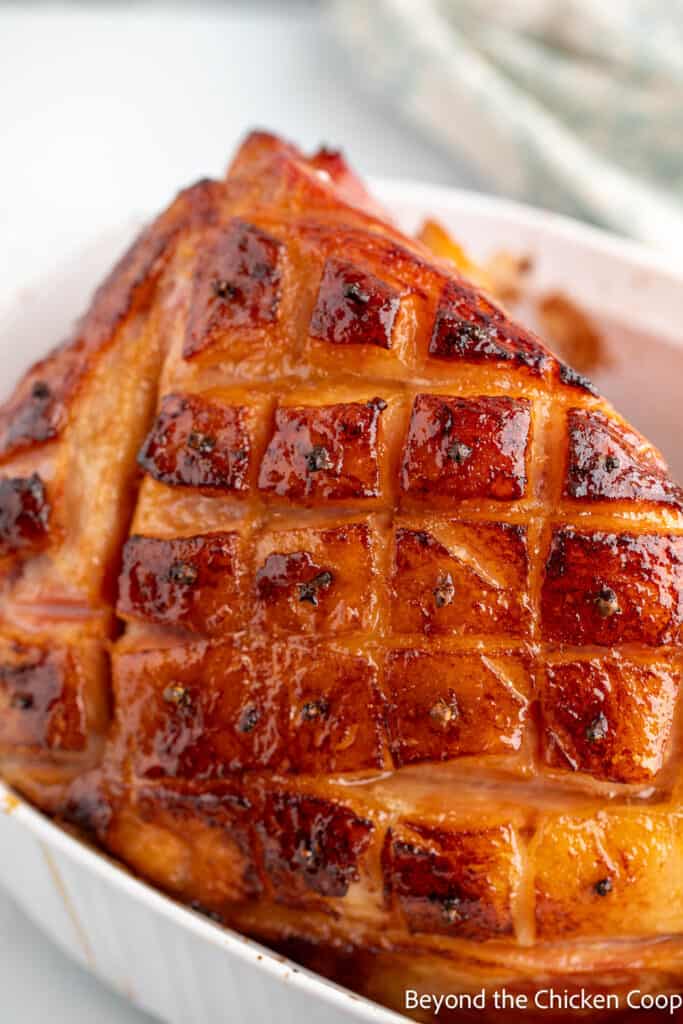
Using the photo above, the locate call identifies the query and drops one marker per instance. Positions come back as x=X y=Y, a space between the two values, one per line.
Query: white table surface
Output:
x=105 y=111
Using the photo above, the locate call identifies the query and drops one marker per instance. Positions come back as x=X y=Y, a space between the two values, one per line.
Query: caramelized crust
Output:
x=353 y=307
x=469 y=328
x=199 y=711
x=310 y=846
x=473 y=579
x=194 y=582
x=443 y=706
x=317 y=581
x=54 y=710
x=466 y=448
x=392 y=601
x=202 y=711
x=38 y=415
x=24 y=514
x=609 y=461
x=610 y=588
x=194 y=443
x=336 y=714
x=236 y=284
x=450 y=882
x=42 y=704
x=324 y=453
x=609 y=717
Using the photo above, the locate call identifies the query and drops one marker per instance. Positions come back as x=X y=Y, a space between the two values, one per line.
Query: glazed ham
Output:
x=338 y=607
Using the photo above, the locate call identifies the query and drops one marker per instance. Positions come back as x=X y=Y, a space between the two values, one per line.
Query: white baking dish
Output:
x=171 y=961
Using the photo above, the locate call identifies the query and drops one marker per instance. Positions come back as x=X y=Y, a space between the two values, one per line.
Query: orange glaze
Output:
x=335 y=605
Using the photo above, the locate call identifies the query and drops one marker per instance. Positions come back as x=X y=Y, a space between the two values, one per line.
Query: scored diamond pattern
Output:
x=397 y=585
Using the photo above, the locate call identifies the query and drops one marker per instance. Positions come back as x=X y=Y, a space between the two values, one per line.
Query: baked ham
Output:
x=336 y=606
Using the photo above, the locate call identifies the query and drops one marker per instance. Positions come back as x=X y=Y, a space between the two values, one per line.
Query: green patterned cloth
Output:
x=572 y=104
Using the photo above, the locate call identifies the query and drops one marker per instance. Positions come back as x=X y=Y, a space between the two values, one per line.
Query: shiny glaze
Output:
x=608 y=588
x=472 y=580
x=609 y=461
x=316 y=581
x=197 y=444
x=310 y=845
x=353 y=307
x=609 y=717
x=41 y=704
x=335 y=605
x=236 y=284
x=202 y=711
x=639 y=853
x=194 y=582
x=470 y=328
x=327 y=453
x=443 y=706
x=466 y=448
x=50 y=701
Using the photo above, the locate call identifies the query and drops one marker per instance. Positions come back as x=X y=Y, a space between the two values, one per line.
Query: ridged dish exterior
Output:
x=335 y=605
x=179 y=966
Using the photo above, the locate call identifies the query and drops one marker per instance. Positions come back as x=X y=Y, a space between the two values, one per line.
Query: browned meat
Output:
x=335 y=605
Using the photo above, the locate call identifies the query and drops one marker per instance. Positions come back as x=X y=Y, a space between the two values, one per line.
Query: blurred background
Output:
x=106 y=109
